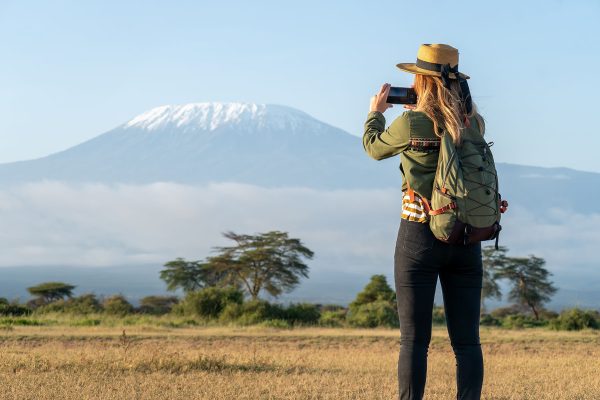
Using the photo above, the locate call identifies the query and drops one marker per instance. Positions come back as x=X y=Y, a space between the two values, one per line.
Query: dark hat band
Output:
x=435 y=67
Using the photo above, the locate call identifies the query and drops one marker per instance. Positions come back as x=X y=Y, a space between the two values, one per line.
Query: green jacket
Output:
x=411 y=135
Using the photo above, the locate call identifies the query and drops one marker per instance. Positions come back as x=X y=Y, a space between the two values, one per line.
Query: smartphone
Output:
x=402 y=95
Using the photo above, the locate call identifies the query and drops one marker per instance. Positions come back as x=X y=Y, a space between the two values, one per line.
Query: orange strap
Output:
x=426 y=205
x=443 y=209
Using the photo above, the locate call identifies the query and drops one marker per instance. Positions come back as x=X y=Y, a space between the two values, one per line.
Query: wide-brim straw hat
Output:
x=430 y=60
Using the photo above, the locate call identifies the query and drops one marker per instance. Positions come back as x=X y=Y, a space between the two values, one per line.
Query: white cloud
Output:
x=53 y=223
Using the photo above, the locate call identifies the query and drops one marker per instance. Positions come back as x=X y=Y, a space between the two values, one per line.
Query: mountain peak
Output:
x=212 y=115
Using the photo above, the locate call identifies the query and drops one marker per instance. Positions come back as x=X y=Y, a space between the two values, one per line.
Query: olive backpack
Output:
x=465 y=205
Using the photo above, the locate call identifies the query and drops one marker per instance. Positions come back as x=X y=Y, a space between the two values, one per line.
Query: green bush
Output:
x=81 y=305
x=488 y=320
x=575 y=319
x=210 y=302
x=86 y=322
x=371 y=315
x=157 y=305
x=256 y=311
x=501 y=312
x=117 y=305
x=520 y=321
x=333 y=318
x=8 y=321
x=438 y=315
x=377 y=289
x=302 y=313
x=231 y=312
x=13 y=309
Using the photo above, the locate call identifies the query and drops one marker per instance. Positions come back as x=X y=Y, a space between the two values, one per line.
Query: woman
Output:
x=419 y=257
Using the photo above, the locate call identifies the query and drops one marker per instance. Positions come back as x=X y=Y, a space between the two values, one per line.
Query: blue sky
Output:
x=71 y=70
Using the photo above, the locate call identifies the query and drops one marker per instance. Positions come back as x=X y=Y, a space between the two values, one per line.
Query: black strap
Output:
x=435 y=67
x=445 y=70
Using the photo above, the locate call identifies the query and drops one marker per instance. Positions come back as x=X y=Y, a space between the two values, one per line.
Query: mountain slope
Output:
x=211 y=142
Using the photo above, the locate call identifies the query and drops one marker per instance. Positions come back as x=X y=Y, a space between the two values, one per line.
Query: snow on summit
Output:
x=211 y=116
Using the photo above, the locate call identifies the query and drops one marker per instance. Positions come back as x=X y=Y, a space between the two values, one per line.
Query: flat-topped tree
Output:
x=269 y=261
x=531 y=285
x=48 y=292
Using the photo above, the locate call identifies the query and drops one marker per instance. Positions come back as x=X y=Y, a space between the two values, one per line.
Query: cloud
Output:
x=54 y=223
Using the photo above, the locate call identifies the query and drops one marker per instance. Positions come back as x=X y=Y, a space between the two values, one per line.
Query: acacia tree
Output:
x=48 y=292
x=269 y=261
x=493 y=261
x=187 y=275
x=530 y=280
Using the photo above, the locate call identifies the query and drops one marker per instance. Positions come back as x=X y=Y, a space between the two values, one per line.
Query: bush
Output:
x=488 y=320
x=502 y=312
x=438 y=315
x=257 y=311
x=117 y=305
x=371 y=315
x=334 y=318
x=157 y=305
x=210 y=302
x=231 y=312
x=13 y=309
x=302 y=313
x=576 y=319
x=520 y=321
x=82 y=305
x=377 y=289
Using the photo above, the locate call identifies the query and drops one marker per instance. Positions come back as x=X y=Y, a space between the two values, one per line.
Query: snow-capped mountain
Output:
x=267 y=145
x=212 y=142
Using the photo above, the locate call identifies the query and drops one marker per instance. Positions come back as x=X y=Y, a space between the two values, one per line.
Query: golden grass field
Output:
x=54 y=362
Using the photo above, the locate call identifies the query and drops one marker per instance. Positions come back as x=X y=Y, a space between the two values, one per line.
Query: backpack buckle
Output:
x=467 y=232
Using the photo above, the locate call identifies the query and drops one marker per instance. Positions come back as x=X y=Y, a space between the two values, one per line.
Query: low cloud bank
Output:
x=54 y=223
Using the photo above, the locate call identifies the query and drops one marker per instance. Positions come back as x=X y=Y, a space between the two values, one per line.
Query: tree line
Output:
x=227 y=286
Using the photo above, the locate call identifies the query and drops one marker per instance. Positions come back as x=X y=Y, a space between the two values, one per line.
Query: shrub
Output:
x=377 y=289
x=576 y=319
x=83 y=305
x=117 y=305
x=520 y=321
x=438 y=315
x=333 y=318
x=257 y=311
x=488 y=320
x=210 y=302
x=302 y=313
x=371 y=315
x=502 y=312
x=13 y=309
x=231 y=312
x=157 y=305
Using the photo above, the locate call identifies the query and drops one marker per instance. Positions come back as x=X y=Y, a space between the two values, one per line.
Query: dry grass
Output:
x=257 y=363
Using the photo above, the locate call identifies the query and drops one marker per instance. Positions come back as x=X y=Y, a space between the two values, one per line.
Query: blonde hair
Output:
x=443 y=106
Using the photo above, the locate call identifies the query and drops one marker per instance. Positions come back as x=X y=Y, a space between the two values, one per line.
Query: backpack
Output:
x=465 y=205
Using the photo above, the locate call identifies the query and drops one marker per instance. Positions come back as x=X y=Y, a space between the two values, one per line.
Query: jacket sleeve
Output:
x=381 y=143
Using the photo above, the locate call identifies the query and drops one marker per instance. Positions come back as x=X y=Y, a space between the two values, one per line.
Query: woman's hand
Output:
x=379 y=101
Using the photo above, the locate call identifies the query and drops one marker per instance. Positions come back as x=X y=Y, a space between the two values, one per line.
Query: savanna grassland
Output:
x=150 y=362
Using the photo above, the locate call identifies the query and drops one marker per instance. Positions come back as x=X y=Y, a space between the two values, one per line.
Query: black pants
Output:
x=419 y=259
